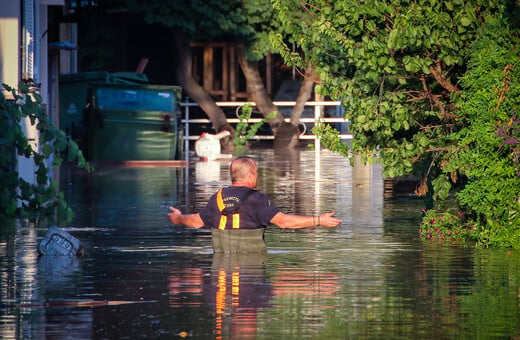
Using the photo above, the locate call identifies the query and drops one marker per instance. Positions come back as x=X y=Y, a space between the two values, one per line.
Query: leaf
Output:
x=56 y=162
x=450 y=60
x=73 y=149
x=371 y=26
x=465 y=21
x=46 y=149
x=423 y=141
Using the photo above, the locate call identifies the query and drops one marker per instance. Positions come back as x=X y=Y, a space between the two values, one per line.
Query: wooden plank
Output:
x=225 y=73
x=269 y=74
x=232 y=74
x=208 y=68
x=208 y=44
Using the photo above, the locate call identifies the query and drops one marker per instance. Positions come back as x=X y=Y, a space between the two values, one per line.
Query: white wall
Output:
x=9 y=42
x=11 y=30
x=10 y=70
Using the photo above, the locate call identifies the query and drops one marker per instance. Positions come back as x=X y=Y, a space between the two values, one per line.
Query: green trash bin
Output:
x=75 y=92
x=133 y=122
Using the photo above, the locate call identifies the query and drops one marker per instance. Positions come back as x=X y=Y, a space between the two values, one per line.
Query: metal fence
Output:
x=319 y=108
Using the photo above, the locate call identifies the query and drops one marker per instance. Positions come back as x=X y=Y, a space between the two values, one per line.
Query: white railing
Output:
x=318 y=116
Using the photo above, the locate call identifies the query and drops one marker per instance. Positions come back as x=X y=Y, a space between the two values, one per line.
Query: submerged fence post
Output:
x=317 y=115
x=317 y=142
x=187 y=129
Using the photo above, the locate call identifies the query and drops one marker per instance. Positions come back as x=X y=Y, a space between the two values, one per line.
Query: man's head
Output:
x=244 y=172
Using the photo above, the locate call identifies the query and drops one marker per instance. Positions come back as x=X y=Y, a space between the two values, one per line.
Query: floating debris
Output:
x=58 y=242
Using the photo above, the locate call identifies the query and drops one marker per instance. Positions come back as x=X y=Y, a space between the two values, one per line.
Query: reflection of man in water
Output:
x=234 y=286
x=239 y=214
x=238 y=289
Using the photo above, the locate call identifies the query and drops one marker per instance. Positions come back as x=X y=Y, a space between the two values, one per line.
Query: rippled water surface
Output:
x=142 y=277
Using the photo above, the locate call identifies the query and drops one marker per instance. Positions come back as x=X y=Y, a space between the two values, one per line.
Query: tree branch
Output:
x=436 y=71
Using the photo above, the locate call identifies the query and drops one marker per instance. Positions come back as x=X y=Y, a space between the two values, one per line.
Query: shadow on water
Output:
x=142 y=277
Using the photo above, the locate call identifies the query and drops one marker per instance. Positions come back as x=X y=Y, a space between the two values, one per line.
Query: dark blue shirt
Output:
x=256 y=211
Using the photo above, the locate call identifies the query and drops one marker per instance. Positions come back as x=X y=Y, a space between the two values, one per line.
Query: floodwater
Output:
x=141 y=277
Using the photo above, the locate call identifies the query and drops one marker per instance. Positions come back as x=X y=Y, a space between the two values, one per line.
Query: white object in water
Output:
x=208 y=145
x=59 y=242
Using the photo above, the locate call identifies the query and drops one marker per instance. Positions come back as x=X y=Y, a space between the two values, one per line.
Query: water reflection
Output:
x=32 y=303
x=58 y=272
x=142 y=277
x=238 y=288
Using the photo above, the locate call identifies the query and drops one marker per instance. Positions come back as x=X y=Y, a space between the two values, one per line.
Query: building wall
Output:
x=9 y=41
x=10 y=72
x=17 y=62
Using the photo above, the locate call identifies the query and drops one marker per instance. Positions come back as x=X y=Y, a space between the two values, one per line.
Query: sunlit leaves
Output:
x=244 y=130
x=489 y=103
x=441 y=187
x=368 y=54
x=330 y=136
x=397 y=67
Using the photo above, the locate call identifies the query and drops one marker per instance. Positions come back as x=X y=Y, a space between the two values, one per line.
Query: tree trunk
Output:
x=286 y=134
x=256 y=88
x=304 y=95
x=197 y=92
x=289 y=134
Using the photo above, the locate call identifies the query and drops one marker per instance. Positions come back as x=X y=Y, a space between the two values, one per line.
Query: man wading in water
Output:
x=238 y=215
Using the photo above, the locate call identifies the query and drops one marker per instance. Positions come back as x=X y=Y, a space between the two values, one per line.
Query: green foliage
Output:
x=17 y=196
x=488 y=148
x=448 y=227
x=397 y=69
x=199 y=20
x=248 y=22
x=379 y=58
x=244 y=130
x=260 y=23
x=330 y=137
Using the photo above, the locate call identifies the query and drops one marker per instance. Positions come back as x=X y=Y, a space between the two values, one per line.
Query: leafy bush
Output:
x=330 y=137
x=447 y=227
x=17 y=196
x=244 y=130
x=487 y=153
x=426 y=101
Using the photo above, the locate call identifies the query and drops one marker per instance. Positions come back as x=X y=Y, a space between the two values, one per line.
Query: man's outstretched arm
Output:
x=189 y=220
x=288 y=221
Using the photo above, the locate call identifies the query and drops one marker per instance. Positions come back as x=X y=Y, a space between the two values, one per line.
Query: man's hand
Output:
x=175 y=215
x=328 y=220
x=189 y=220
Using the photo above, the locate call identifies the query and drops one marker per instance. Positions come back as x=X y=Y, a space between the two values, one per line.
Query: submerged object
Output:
x=132 y=122
x=207 y=146
x=58 y=242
